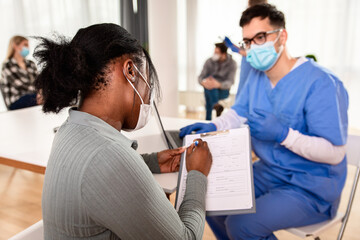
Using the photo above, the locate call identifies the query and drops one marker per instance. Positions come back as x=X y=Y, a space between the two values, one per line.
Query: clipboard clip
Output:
x=214 y=133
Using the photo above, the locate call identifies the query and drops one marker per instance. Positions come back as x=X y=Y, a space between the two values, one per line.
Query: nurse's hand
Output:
x=169 y=160
x=267 y=127
x=197 y=128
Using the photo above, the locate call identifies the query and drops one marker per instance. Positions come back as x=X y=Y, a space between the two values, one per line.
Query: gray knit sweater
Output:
x=223 y=72
x=98 y=187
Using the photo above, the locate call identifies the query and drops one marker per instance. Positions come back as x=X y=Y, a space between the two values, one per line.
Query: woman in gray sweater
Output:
x=96 y=185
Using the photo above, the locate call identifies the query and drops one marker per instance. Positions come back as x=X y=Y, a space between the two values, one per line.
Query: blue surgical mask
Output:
x=24 y=52
x=263 y=57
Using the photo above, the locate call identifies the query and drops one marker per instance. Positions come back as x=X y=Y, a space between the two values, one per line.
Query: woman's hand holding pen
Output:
x=198 y=157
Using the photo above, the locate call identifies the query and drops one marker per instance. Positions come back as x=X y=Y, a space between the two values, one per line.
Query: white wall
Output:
x=163 y=51
x=44 y=17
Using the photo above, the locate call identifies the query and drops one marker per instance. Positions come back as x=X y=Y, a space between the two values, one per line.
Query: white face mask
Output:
x=145 y=109
x=215 y=57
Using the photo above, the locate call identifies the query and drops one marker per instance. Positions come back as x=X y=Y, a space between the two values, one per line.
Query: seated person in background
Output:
x=217 y=77
x=18 y=75
x=297 y=114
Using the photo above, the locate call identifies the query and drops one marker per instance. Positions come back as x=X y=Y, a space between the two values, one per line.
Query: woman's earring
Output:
x=133 y=79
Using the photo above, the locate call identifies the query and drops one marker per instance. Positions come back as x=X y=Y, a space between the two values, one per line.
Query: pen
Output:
x=196 y=143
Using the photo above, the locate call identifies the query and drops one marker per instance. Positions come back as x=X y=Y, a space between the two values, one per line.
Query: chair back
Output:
x=353 y=158
x=2 y=101
x=35 y=231
x=353 y=150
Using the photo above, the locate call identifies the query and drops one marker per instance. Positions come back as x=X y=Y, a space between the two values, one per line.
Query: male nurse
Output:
x=297 y=114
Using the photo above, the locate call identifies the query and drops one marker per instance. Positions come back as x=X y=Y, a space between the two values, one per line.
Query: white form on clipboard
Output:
x=230 y=188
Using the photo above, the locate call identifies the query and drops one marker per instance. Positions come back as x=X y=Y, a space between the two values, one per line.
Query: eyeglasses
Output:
x=258 y=39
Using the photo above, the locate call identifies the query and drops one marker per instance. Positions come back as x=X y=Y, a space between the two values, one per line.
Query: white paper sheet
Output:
x=230 y=185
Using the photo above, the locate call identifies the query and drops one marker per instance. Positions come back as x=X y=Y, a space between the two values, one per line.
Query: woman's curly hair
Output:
x=74 y=68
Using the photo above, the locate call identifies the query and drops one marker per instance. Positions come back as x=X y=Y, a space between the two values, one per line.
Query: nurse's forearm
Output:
x=315 y=149
x=229 y=120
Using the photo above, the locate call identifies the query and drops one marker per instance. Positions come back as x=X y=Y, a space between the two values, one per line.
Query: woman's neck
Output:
x=97 y=106
x=20 y=60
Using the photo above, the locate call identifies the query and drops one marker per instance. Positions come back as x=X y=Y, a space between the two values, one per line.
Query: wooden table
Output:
x=26 y=137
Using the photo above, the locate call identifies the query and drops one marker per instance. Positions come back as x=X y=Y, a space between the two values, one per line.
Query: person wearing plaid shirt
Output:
x=18 y=75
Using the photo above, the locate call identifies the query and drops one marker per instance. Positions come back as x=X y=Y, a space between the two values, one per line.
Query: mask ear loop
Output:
x=142 y=101
x=278 y=37
x=281 y=48
x=142 y=76
x=152 y=90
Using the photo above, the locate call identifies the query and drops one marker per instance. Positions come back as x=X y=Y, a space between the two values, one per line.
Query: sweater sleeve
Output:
x=4 y=85
x=230 y=77
x=120 y=194
x=205 y=71
x=151 y=161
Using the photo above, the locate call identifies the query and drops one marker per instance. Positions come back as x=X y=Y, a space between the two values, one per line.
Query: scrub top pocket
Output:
x=293 y=121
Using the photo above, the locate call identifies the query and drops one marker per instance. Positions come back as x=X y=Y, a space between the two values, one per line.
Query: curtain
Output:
x=44 y=17
x=326 y=28
x=134 y=18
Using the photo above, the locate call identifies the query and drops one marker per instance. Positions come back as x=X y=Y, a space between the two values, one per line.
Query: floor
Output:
x=20 y=203
x=20 y=200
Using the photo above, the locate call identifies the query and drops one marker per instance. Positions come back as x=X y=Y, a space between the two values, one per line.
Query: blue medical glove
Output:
x=198 y=128
x=267 y=127
x=230 y=45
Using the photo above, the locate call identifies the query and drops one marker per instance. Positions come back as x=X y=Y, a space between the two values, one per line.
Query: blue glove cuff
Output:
x=234 y=49
x=283 y=135
x=212 y=127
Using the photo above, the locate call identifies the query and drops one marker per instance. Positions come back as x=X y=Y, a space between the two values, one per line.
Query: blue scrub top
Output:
x=245 y=68
x=311 y=100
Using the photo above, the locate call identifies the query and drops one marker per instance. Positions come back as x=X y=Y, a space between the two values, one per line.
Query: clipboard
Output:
x=232 y=191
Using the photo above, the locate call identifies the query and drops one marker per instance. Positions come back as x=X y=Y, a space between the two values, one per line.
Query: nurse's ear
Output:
x=128 y=69
x=283 y=37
